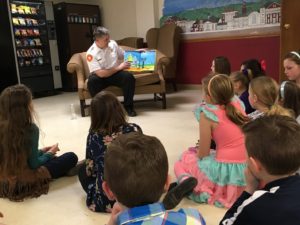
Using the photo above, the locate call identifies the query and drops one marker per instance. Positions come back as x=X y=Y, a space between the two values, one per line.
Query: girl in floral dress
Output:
x=108 y=120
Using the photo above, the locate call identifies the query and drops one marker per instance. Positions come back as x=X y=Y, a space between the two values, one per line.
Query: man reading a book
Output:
x=107 y=68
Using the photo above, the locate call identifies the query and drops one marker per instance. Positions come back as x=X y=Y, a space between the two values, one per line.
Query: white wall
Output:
x=130 y=18
x=125 y=18
x=160 y=6
x=149 y=13
x=119 y=16
x=144 y=16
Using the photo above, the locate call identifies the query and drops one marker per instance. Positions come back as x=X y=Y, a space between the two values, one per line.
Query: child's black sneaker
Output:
x=176 y=194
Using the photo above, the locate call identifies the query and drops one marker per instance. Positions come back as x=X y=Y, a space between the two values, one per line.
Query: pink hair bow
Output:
x=263 y=64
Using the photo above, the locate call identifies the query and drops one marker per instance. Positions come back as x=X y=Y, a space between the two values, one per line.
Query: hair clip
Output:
x=282 y=89
x=245 y=72
x=296 y=54
x=263 y=64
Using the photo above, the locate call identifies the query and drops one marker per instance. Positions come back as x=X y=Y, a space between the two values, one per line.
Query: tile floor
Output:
x=65 y=202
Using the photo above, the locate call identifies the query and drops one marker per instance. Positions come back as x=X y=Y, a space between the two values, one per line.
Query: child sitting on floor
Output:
x=241 y=83
x=273 y=148
x=220 y=174
x=136 y=175
x=291 y=64
x=253 y=68
x=263 y=96
x=221 y=65
x=26 y=170
x=108 y=120
x=290 y=97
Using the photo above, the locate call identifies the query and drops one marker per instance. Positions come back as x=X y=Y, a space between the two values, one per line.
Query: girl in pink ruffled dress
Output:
x=220 y=173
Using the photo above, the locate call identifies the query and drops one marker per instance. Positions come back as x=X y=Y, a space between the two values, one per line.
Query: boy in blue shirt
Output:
x=136 y=175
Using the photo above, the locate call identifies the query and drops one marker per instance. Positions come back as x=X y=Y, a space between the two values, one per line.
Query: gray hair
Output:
x=99 y=32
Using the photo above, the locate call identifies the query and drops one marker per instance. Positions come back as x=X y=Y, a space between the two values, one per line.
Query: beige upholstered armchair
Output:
x=134 y=42
x=146 y=83
x=166 y=40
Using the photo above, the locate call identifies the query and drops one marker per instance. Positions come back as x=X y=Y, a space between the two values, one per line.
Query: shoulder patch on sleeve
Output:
x=89 y=57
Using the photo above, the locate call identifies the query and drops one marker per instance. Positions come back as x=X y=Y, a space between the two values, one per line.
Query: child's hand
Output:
x=197 y=144
x=53 y=149
x=46 y=149
x=141 y=50
x=116 y=210
x=251 y=181
x=193 y=149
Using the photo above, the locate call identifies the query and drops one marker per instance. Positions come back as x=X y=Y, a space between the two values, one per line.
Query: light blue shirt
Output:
x=157 y=215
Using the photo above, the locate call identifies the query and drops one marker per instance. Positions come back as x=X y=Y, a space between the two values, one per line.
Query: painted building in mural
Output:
x=268 y=15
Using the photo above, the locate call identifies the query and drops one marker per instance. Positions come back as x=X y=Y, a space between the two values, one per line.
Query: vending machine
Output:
x=52 y=36
x=25 y=30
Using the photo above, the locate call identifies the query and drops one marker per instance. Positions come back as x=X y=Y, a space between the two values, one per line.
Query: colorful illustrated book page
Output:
x=140 y=61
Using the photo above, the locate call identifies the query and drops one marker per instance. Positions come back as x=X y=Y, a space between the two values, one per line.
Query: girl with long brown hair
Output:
x=221 y=65
x=108 y=120
x=25 y=170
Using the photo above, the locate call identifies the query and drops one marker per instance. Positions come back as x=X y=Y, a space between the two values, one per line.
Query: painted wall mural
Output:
x=221 y=15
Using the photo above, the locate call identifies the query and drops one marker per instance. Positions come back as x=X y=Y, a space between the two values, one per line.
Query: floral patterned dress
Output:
x=97 y=143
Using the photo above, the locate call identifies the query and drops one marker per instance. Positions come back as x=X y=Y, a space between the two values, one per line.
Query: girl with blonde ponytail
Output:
x=220 y=173
x=263 y=96
x=221 y=92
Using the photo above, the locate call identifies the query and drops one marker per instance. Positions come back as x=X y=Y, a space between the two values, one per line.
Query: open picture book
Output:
x=140 y=60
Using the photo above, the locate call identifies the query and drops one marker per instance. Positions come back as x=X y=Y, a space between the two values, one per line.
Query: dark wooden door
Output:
x=290 y=30
x=81 y=37
x=74 y=25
